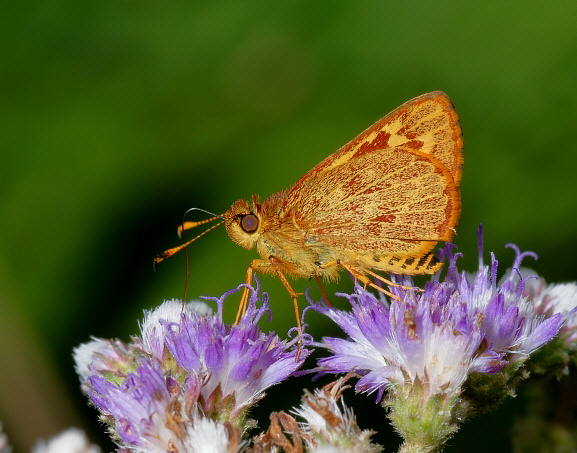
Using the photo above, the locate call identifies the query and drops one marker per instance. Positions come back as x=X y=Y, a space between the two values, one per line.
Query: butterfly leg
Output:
x=323 y=291
x=366 y=281
x=257 y=264
x=254 y=264
x=390 y=283
x=360 y=276
x=275 y=263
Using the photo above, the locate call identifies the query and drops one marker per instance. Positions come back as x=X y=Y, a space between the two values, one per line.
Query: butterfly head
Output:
x=243 y=222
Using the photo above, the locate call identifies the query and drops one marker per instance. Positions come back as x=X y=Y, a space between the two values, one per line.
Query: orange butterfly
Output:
x=381 y=202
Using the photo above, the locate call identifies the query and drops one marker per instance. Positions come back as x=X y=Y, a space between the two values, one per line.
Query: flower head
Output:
x=4 y=444
x=427 y=338
x=510 y=324
x=462 y=324
x=424 y=347
x=329 y=425
x=189 y=376
x=326 y=425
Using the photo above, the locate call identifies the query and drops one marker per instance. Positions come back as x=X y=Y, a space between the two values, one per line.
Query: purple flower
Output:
x=189 y=376
x=462 y=324
x=426 y=338
x=510 y=324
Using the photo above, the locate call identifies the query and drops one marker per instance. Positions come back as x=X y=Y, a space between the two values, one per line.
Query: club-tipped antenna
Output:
x=187 y=225
x=168 y=253
x=182 y=228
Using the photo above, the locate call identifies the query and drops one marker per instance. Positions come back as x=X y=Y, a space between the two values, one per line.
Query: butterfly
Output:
x=378 y=204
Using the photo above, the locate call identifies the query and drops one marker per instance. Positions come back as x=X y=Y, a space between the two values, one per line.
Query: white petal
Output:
x=169 y=311
x=71 y=441
x=200 y=308
x=84 y=356
x=207 y=436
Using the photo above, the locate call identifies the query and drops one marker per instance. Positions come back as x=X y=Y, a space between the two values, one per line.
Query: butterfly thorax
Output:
x=276 y=234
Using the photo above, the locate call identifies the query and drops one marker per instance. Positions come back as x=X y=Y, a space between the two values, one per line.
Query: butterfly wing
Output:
x=392 y=201
x=427 y=123
x=391 y=190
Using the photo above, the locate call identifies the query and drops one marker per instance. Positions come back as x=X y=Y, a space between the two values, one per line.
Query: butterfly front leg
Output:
x=264 y=266
x=256 y=264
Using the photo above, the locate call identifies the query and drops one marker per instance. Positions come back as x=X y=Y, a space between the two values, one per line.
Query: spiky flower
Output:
x=188 y=380
x=427 y=339
x=423 y=348
x=325 y=425
x=329 y=424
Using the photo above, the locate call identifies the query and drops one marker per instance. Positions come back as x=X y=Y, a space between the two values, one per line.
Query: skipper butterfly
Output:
x=380 y=203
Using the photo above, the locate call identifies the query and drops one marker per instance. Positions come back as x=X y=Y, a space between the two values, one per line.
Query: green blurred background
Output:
x=117 y=116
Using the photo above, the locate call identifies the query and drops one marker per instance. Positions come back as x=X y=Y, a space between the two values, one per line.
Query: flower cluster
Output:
x=189 y=380
x=433 y=357
x=463 y=324
x=423 y=347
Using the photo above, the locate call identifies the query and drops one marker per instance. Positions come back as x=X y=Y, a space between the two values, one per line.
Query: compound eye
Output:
x=249 y=223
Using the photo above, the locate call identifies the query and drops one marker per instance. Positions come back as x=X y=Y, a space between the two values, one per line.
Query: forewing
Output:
x=427 y=123
x=393 y=200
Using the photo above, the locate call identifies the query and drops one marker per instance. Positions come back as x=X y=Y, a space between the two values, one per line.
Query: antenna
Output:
x=183 y=227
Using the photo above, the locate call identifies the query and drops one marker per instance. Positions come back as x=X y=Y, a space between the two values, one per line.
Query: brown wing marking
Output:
x=427 y=123
x=394 y=200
